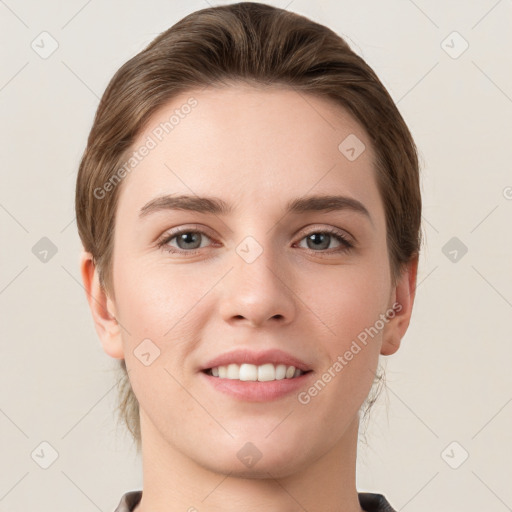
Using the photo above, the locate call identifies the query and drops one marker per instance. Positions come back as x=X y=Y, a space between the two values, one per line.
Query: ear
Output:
x=402 y=300
x=102 y=308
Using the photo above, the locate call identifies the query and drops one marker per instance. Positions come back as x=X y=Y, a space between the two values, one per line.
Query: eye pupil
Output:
x=318 y=239
x=188 y=238
x=190 y=241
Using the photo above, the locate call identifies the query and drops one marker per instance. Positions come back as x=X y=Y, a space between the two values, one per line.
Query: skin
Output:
x=256 y=149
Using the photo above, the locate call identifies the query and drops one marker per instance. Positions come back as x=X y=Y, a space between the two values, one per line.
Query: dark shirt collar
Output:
x=370 y=502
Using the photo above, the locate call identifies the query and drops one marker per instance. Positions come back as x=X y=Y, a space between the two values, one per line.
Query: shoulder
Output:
x=372 y=502
x=129 y=501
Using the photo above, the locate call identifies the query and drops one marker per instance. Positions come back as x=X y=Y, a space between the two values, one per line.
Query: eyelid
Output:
x=315 y=228
x=347 y=240
x=184 y=228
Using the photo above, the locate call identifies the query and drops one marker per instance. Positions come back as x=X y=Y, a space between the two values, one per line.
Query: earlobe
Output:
x=402 y=303
x=102 y=308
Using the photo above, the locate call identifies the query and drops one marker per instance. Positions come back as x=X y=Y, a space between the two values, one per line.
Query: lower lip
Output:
x=255 y=391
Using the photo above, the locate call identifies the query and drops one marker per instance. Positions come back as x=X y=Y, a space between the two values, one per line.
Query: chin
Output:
x=257 y=457
x=262 y=469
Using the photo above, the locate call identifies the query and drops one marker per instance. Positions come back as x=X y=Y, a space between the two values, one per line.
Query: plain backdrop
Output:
x=440 y=436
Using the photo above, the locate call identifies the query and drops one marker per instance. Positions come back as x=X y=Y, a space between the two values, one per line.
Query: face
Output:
x=262 y=273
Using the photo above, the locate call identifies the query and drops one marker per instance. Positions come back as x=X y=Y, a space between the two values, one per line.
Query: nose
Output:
x=258 y=293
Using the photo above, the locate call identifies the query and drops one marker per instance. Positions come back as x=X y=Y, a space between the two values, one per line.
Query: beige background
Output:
x=450 y=381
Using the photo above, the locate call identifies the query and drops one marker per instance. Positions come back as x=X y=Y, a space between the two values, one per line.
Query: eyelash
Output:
x=346 y=245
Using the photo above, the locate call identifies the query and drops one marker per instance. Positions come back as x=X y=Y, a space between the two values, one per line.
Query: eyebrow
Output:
x=217 y=206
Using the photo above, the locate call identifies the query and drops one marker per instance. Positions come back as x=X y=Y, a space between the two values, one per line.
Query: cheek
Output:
x=350 y=312
x=347 y=301
x=159 y=307
x=155 y=299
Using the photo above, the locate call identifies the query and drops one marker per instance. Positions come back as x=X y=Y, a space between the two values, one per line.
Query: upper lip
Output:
x=241 y=356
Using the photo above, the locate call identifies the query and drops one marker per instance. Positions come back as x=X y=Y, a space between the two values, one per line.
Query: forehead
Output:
x=260 y=144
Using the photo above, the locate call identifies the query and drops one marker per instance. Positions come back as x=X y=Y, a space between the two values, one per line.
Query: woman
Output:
x=249 y=207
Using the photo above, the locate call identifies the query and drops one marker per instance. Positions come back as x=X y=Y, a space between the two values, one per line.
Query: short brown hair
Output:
x=257 y=44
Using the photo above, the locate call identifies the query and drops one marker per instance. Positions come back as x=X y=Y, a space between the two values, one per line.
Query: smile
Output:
x=251 y=372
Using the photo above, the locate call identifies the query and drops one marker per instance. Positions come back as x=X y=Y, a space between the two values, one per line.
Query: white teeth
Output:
x=266 y=372
x=248 y=372
x=233 y=371
x=280 y=371
x=251 y=372
x=290 y=372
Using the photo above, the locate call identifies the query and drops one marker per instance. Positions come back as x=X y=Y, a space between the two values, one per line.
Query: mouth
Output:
x=255 y=373
x=250 y=376
x=256 y=383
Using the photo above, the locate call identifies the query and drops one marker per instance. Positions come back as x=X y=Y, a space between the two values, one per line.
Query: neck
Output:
x=173 y=482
